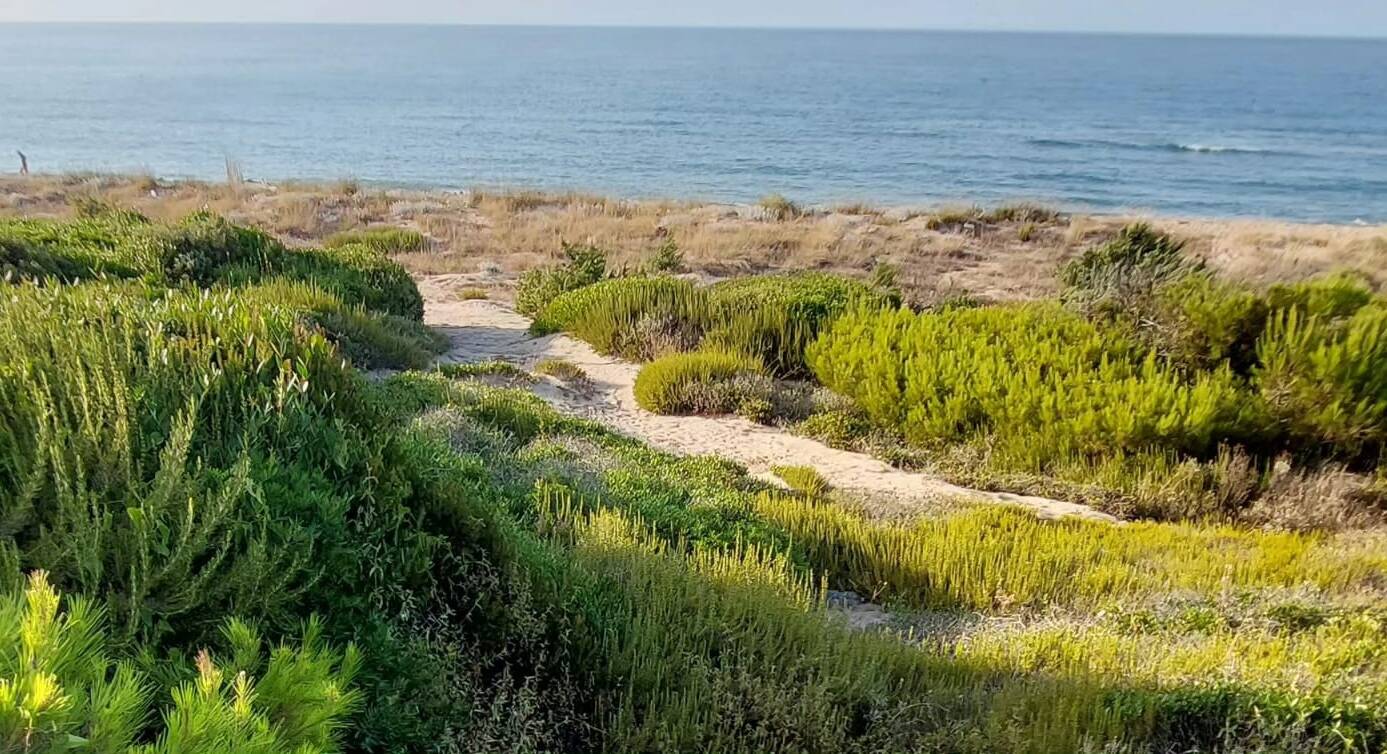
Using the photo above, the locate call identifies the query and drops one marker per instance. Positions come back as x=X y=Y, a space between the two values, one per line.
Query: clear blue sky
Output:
x=1301 y=17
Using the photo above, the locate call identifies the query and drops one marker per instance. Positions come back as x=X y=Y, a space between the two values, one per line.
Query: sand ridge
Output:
x=480 y=330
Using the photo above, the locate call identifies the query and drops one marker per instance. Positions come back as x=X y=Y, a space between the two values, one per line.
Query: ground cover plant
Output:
x=1154 y=388
x=217 y=535
x=1064 y=612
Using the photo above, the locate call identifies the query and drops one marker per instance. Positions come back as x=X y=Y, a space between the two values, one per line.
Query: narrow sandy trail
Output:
x=482 y=330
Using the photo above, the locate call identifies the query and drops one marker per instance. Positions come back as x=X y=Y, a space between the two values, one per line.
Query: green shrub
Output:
x=636 y=318
x=1203 y=322
x=1125 y=271
x=1041 y=384
x=380 y=239
x=60 y=690
x=1325 y=381
x=199 y=247
x=667 y=259
x=357 y=274
x=538 y=288
x=1333 y=296
x=805 y=480
x=202 y=249
x=775 y=317
x=687 y=383
x=561 y=369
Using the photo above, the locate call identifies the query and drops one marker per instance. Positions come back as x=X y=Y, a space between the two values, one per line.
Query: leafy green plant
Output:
x=636 y=318
x=1042 y=384
x=667 y=258
x=60 y=690
x=775 y=317
x=538 y=288
x=683 y=383
x=1125 y=271
x=1326 y=381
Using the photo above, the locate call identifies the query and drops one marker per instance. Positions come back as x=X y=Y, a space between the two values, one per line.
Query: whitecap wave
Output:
x=1218 y=149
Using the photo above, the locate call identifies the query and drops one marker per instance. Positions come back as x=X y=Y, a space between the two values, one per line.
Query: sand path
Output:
x=481 y=330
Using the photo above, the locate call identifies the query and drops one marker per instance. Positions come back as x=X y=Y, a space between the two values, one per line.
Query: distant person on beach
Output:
x=23 y=163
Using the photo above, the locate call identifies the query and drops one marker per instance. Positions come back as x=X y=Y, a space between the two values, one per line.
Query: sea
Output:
x=1200 y=126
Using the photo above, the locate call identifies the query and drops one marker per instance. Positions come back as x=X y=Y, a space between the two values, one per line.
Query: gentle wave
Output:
x=1217 y=149
x=1149 y=146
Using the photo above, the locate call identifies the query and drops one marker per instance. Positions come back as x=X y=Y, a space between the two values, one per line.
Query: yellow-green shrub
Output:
x=774 y=317
x=382 y=239
x=687 y=383
x=990 y=558
x=61 y=691
x=1037 y=382
x=1325 y=381
x=637 y=318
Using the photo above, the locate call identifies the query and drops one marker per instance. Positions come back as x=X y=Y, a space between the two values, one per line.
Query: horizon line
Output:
x=703 y=27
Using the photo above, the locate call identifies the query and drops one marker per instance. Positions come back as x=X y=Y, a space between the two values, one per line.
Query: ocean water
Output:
x=1202 y=126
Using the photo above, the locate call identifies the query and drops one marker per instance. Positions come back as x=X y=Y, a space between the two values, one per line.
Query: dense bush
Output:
x=1311 y=350
x=636 y=318
x=771 y=318
x=1125 y=272
x=1040 y=384
x=775 y=317
x=537 y=288
x=698 y=382
x=202 y=249
x=60 y=690
x=1325 y=380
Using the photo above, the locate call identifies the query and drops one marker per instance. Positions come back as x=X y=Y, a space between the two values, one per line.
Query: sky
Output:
x=1282 y=17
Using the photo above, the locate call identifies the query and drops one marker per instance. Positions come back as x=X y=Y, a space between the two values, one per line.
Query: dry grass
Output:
x=994 y=255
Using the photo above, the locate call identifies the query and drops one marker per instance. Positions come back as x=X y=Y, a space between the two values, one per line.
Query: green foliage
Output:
x=561 y=369
x=1332 y=296
x=1205 y=322
x=667 y=259
x=492 y=368
x=1125 y=271
x=686 y=383
x=60 y=691
x=775 y=317
x=805 y=480
x=357 y=274
x=538 y=288
x=58 y=687
x=636 y=318
x=771 y=318
x=381 y=239
x=183 y=447
x=1038 y=384
x=1325 y=381
x=202 y=249
x=1006 y=559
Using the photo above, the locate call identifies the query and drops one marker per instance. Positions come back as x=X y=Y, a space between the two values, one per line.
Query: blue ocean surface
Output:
x=1201 y=126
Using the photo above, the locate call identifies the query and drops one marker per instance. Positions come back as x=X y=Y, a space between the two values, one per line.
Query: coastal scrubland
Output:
x=242 y=511
x=998 y=254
